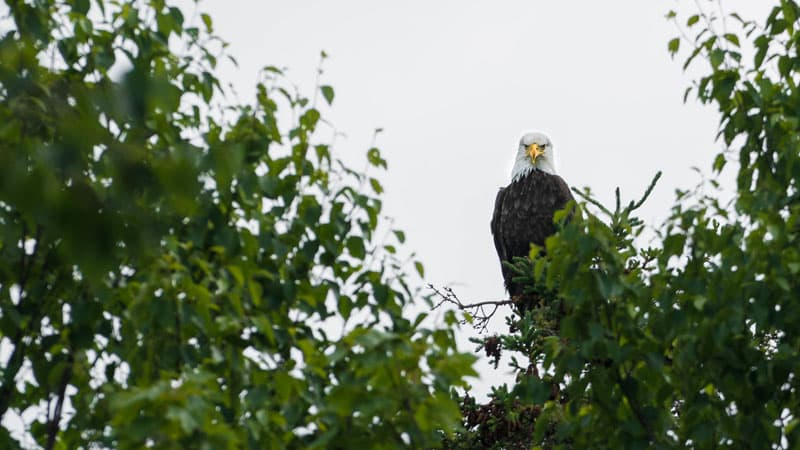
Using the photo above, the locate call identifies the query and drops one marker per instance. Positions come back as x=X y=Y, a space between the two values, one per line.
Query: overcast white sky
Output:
x=455 y=83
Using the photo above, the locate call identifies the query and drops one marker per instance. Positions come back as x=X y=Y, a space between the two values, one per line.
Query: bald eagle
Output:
x=523 y=210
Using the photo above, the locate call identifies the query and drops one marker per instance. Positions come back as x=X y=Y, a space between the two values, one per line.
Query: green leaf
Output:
x=256 y=291
x=719 y=162
x=376 y=186
x=716 y=57
x=374 y=158
x=236 y=273
x=533 y=390
x=309 y=119
x=401 y=236
x=789 y=11
x=673 y=45
x=177 y=17
x=323 y=153
x=732 y=38
x=81 y=6
x=673 y=244
x=208 y=23
x=355 y=246
x=327 y=92
x=345 y=305
x=420 y=269
x=762 y=46
x=784 y=66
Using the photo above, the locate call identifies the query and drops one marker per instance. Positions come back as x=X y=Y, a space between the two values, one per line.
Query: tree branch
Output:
x=55 y=420
x=480 y=315
x=634 y=406
x=647 y=192
x=17 y=357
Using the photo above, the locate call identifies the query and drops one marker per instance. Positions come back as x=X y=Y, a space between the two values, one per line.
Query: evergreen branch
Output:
x=591 y=200
x=646 y=193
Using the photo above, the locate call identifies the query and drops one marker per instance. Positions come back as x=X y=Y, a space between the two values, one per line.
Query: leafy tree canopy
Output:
x=694 y=341
x=175 y=267
x=179 y=270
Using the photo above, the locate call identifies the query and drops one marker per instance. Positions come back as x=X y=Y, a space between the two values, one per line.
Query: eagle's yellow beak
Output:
x=535 y=151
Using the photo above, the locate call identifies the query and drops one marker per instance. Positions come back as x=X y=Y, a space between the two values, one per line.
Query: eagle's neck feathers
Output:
x=523 y=167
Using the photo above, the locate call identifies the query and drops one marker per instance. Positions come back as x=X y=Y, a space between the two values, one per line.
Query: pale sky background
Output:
x=454 y=84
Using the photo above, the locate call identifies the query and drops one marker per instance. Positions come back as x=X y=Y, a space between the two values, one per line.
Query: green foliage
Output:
x=695 y=342
x=173 y=267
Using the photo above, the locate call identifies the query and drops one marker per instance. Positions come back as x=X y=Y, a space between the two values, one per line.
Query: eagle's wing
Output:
x=564 y=194
x=523 y=215
x=495 y=225
x=498 y=232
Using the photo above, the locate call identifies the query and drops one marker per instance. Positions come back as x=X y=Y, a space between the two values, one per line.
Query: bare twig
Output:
x=479 y=310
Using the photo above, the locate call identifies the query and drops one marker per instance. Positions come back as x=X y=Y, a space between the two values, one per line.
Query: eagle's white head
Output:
x=535 y=152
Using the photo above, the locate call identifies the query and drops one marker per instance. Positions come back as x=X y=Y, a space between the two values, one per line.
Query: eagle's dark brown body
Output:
x=523 y=215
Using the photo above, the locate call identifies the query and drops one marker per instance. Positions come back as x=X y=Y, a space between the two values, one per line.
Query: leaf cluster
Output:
x=180 y=271
x=691 y=341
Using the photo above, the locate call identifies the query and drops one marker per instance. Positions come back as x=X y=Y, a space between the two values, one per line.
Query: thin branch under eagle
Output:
x=523 y=215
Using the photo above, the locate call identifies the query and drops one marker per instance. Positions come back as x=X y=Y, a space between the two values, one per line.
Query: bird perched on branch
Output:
x=523 y=210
